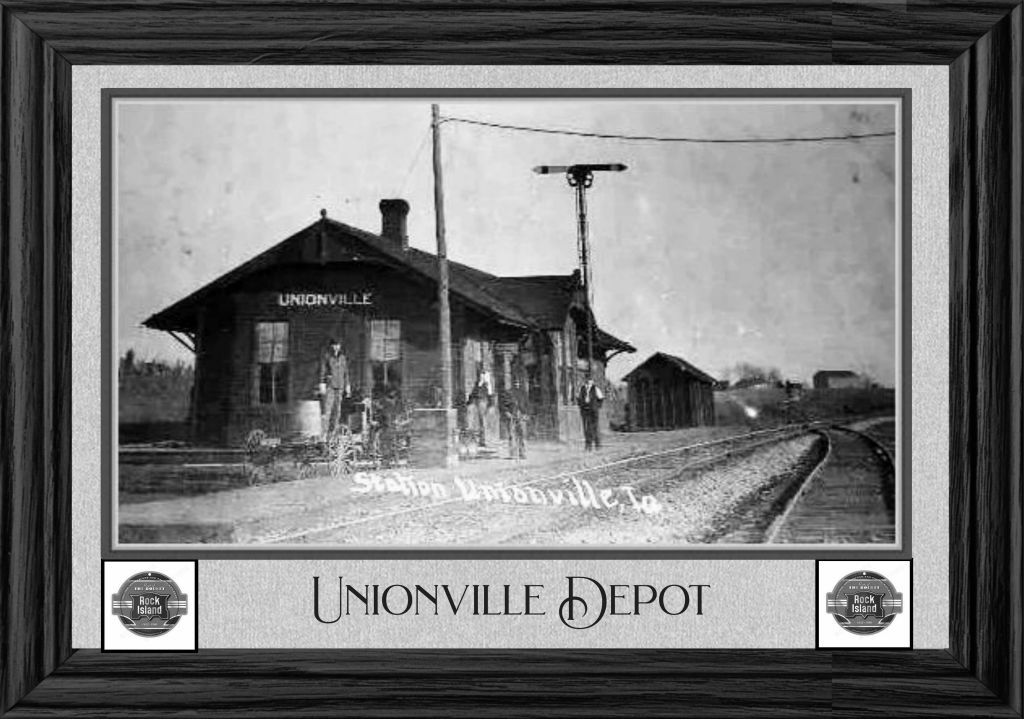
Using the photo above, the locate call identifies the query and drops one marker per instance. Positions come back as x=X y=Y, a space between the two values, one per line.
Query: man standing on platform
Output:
x=589 y=401
x=334 y=384
x=515 y=409
x=480 y=399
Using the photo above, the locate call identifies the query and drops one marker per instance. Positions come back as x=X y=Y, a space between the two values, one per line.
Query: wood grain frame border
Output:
x=980 y=673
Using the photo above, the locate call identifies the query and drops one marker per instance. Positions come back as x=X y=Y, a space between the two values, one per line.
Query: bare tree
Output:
x=747 y=374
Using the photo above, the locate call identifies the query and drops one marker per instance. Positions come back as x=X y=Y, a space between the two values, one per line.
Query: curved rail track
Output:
x=848 y=497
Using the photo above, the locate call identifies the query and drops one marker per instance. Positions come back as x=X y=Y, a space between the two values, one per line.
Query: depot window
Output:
x=386 y=354
x=271 y=363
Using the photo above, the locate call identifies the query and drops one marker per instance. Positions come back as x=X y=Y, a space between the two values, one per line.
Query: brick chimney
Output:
x=392 y=223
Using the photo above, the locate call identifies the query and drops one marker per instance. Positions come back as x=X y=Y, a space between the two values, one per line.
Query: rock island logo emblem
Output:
x=150 y=604
x=864 y=602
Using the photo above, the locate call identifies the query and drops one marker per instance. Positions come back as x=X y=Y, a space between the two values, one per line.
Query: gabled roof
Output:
x=603 y=339
x=547 y=300
x=544 y=298
x=677 y=362
x=464 y=281
x=539 y=302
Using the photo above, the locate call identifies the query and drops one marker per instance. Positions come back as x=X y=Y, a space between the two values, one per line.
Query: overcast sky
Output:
x=782 y=255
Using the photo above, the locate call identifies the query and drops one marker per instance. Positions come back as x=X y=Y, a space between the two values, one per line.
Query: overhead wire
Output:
x=657 y=138
x=415 y=159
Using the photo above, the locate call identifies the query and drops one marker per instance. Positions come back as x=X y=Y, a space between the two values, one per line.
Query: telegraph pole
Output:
x=581 y=177
x=444 y=311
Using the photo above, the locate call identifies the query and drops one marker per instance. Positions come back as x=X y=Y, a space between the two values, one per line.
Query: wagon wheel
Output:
x=340 y=451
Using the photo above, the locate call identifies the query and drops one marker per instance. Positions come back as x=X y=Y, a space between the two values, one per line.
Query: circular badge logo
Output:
x=864 y=602
x=150 y=604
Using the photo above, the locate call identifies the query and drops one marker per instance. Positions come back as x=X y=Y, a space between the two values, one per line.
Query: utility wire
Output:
x=415 y=159
x=653 y=138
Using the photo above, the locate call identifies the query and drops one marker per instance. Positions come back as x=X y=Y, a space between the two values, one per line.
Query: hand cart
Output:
x=353 y=445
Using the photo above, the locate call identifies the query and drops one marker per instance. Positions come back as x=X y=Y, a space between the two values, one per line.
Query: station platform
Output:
x=258 y=514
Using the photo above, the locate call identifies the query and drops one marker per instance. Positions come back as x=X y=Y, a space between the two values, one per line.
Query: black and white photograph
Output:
x=508 y=322
x=431 y=334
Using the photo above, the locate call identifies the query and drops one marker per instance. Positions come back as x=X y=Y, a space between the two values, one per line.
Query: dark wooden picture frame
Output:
x=979 y=674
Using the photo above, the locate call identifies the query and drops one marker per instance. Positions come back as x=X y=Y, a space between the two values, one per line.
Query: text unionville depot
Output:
x=585 y=602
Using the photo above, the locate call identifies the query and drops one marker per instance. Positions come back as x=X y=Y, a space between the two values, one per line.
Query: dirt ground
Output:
x=286 y=511
x=560 y=496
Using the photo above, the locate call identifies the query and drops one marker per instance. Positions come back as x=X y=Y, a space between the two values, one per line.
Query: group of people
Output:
x=515 y=411
x=514 y=402
x=514 y=405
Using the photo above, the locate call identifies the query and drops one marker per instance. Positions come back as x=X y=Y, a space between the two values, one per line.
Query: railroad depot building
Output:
x=667 y=392
x=258 y=332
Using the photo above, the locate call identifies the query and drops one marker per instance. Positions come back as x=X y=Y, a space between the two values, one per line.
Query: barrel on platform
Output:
x=306 y=419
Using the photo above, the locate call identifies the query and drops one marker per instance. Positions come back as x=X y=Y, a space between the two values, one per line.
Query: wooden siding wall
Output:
x=666 y=397
x=226 y=406
x=213 y=375
x=226 y=402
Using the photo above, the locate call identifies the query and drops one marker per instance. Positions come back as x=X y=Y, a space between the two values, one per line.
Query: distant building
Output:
x=837 y=379
x=666 y=392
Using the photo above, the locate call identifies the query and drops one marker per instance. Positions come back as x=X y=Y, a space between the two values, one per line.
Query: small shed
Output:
x=666 y=392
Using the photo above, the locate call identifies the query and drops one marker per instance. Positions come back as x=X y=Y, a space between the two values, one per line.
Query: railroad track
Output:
x=645 y=470
x=848 y=497
x=841 y=493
